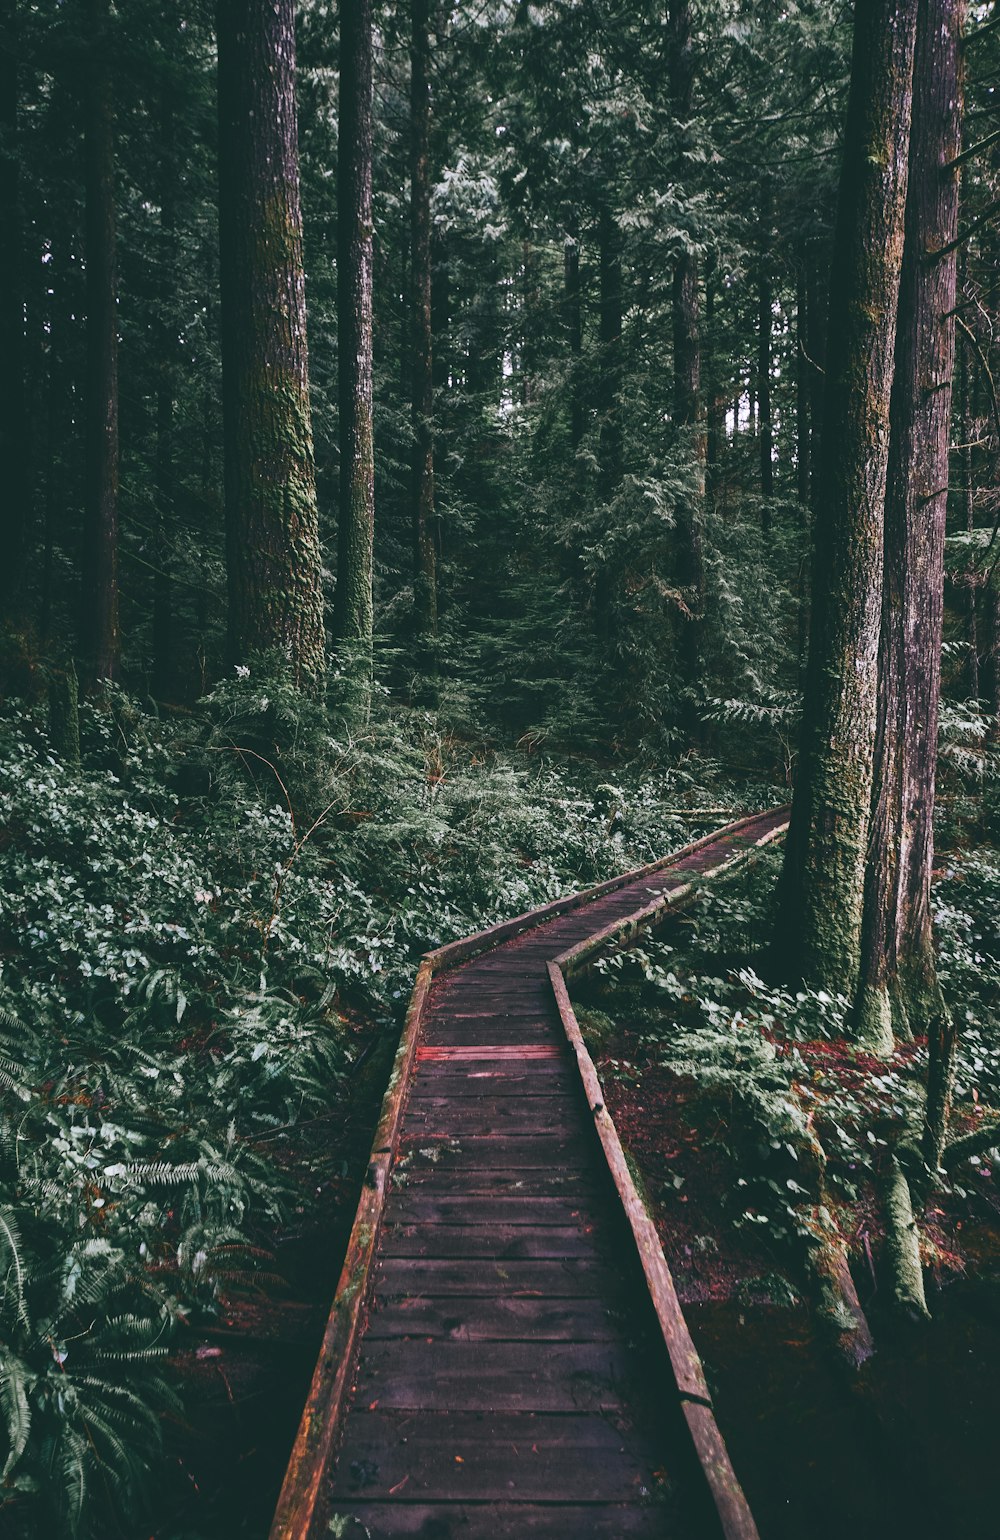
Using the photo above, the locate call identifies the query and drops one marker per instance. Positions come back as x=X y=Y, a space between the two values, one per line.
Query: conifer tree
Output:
x=272 y=525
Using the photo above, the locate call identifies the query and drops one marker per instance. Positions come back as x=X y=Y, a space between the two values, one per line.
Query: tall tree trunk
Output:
x=272 y=523
x=574 y=334
x=422 y=355
x=13 y=403
x=687 y=403
x=899 y=980
x=802 y=424
x=165 y=389
x=353 y=605
x=968 y=522
x=765 y=328
x=99 y=634
x=715 y=411
x=609 y=387
x=817 y=302
x=990 y=672
x=820 y=918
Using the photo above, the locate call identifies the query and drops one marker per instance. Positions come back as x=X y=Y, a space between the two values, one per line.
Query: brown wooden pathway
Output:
x=512 y=1378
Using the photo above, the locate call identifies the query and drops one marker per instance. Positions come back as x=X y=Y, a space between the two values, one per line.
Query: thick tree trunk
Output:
x=802 y=422
x=765 y=328
x=609 y=387
x=819 y=925
x=990 y=671
x=99 y=634
x=968 y=523
x=422 y=353
x=163 y=662
x=353 y=604
x=13 y=402
x=574 y=335
x=899 y=983
x=817 y=301
x=687 y=397
x=715 y=406
x=272 y=523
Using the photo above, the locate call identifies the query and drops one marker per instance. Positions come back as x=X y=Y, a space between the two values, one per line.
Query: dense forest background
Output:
x=582 y=162
x=418 y=435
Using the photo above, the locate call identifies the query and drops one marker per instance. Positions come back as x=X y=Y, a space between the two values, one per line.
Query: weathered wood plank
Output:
x=492 y=1457
x=495 y=1376
x=504 y=1242
x=497 y=1318
x=478 y=1152
x=550 y=1278
x=414 y=1207
x=395 y=1520
x=499 y=1182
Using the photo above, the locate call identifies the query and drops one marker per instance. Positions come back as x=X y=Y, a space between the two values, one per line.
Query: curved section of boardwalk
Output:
x=512 y=1378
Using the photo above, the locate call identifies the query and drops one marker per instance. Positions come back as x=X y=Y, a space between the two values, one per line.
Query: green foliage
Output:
x=185 y=916
x=806 y=1119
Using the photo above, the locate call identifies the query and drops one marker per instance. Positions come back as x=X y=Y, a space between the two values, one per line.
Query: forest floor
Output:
x=905 y=1446
x=245 y=1379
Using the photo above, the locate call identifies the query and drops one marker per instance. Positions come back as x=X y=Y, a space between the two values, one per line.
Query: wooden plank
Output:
x=492 y=1318
x=494 y=1376
x=502 y=1242
x=320 y=1423
x=684 y=1359
x=554 y=1101
x=471 y=1077
x=416 y=1206
x=728 y=1496
x=396 y=1520
x=519 y=1117
x=492 y=1457
x=499 y=1182
x=477 y=1152
x=561 y=1278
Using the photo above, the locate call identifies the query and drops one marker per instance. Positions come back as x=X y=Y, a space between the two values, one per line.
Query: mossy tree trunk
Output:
x=820 y=917
x=688 y=409
x=765 y=330
x=272 y=524
x=166 y=388
x=421 y=320
x=13 y=399
x=98 y=628
x=899 y=989
x=353 y=605
x=609 y=386
x=573 y=304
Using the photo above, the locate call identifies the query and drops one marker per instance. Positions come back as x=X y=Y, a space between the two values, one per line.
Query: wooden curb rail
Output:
x=323 y=1414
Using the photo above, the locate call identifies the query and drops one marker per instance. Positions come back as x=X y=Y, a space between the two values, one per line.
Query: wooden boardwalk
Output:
x=497 y=1364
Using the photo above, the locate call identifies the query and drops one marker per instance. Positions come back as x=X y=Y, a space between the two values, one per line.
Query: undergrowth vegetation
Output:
x=812 y=1127
x=187 y=914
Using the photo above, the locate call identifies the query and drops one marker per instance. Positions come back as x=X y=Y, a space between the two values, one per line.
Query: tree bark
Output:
x=802 y=422
x=574 y=334
x=99 y=632
x=13 y=402
x=272 y=523
x=422 y=352
x=820 y=915
x=165 y=390
x=899 y=987
x=765 y=327
x=608 y=396
x=353 y=613
x=687 y=401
